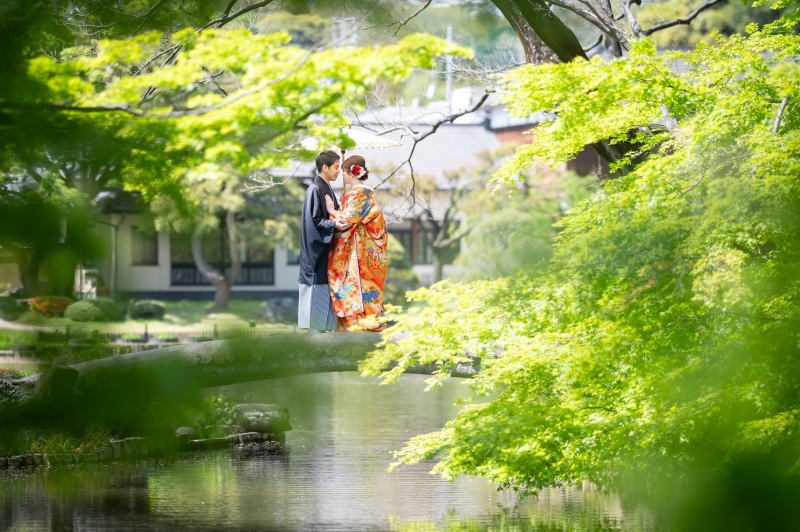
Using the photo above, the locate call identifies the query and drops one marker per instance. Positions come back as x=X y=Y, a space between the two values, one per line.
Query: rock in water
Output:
x=255 y=417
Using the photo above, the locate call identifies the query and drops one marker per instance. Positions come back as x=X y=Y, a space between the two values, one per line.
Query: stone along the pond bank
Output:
x=257 y=427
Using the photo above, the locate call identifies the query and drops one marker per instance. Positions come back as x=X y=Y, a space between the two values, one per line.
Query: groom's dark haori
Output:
x=315 y=311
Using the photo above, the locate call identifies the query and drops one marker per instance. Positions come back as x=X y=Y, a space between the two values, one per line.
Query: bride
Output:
x=358 y=258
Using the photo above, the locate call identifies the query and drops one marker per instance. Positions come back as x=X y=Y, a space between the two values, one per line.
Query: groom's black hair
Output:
x=326 y=158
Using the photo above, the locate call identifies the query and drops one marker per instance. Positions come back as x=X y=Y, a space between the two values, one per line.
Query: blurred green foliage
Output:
x=10 y=337
x=33 y=222
x=207 y=414
x=512 y=225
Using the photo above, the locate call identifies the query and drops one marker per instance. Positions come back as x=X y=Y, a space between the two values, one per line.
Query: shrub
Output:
x=147 y=309
x=50 y=306
x=10 y=308
x=97 y=310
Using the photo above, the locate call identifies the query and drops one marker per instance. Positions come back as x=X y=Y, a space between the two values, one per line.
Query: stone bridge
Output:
x=119 y=387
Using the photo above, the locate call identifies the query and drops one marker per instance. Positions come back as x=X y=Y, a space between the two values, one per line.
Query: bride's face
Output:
x=348 y=178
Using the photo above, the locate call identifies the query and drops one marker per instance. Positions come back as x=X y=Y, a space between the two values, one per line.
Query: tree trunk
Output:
x=535 y=50
x=222 y=296
x=611 y=42
x=545 y=38
x=438 y=264
x=223 y=281
x=28 y=277
x=551 y=30
x=211 y=274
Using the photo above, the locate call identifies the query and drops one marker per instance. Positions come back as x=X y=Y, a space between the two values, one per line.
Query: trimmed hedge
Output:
x=147 y=309
x=97 y=310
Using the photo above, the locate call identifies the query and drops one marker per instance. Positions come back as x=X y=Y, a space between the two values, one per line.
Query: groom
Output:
x=315 y=311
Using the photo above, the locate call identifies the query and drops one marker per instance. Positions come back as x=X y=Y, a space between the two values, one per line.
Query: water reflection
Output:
x=333 y=477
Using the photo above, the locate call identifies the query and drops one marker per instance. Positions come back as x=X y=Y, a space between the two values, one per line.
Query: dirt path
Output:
x=20 y=327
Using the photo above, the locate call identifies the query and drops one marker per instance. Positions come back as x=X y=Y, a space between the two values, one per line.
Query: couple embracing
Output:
x=342 y=250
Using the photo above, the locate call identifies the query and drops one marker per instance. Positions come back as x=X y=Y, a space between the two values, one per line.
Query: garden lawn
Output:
x=181 y=317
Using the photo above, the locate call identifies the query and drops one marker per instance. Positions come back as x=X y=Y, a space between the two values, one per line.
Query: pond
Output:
x=333 y=476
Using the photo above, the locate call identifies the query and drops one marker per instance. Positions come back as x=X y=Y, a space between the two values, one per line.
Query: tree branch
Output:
x=455 y=238
x=417 y=139
x=229 y=7
x=632 y=22
x=406 y=21
x=150 y=90
x=693 y=185
x=590 y=15
x=780 y=115
x=613 y=43
x=146 y=15
x=434 y=127
x=233 y=248
x=212 y=78
x=236 y=14
x=686 y=20
x=261 y=184
x=168 y=50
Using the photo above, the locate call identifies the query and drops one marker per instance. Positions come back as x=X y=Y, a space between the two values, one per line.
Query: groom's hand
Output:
x=343 y=225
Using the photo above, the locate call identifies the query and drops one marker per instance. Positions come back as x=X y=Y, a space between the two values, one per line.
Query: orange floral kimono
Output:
x=357 y=261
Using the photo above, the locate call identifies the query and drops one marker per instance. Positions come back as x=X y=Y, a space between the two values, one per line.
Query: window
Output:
x=423 y=241
x=424 y=254
x=257 y=261
x=144 y=250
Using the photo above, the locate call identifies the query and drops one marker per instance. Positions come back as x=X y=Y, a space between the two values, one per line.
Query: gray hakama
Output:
x=315 y=310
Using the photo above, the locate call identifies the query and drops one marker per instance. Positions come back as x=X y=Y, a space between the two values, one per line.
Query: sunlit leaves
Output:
x=229 y=97
x=662 y=338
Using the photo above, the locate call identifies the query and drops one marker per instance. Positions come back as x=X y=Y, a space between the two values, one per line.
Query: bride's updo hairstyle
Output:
x=357 y=166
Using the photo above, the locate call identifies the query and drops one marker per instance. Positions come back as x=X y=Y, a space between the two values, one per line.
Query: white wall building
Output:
x=148 y=264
